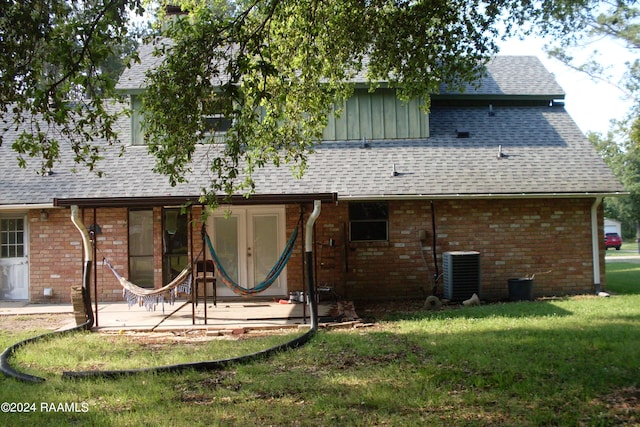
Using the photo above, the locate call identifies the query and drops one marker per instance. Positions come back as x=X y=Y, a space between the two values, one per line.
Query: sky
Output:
x=591 y=104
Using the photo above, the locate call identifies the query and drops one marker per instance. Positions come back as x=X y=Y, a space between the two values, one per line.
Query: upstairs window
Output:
x=217 y=117
x=217 y=124
x=368 y=221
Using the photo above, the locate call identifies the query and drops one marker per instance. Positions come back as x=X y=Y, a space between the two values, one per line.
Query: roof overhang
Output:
x=487 y=196
x=277 y=199
x=478 y=100
x=25 y=206
x=133 y=202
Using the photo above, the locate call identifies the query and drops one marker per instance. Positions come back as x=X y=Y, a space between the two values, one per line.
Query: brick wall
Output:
x=514 y=238
x=56 y=252
x=55 y=256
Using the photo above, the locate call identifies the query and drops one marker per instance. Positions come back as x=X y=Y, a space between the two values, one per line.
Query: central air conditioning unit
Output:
x=461 y=275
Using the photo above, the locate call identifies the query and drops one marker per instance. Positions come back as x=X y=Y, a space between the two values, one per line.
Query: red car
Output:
x=612 y=240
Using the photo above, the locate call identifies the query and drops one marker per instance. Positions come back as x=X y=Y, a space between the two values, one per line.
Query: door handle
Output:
x=248 y=251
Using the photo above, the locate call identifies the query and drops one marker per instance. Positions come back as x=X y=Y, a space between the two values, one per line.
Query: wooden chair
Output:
x=205 y=280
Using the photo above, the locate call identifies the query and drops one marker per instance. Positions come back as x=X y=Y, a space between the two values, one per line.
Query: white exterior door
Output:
x=248 y=242
x=14 y=265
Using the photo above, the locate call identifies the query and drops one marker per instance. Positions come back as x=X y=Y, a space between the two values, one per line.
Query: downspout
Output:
x=595 y=244
x=88 y=259
x=436 y=275
x=308 y=247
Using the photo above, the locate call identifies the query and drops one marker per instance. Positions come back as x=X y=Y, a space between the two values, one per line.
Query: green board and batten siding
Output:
x=136 y=121
x=378 y=115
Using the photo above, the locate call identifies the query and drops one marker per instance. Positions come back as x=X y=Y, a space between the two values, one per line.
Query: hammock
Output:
x=149 y=298
x=269 y=279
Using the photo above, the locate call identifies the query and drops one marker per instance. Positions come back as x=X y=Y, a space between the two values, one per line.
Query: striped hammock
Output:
x=269 y=279
x=150 y=298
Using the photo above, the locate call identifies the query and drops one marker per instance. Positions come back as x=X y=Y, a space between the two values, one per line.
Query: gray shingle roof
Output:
x=516 y=76
x=545 y=153
x=506 y=75
x=132 y=78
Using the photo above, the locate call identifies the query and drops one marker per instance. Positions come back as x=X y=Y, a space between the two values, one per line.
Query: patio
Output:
x=223 y=316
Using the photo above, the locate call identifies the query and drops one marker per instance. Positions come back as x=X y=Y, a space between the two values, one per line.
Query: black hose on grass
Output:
x=212 y=365
x=5 y=366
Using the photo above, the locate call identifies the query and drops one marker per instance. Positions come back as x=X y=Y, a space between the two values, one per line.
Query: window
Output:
x=217 y=123
x=11 y=238
x=141 y=247
x=175 y=243
x=368 y=221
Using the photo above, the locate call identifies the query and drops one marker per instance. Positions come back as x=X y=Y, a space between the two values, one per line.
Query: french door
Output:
x=248 y=242
x=14 y=262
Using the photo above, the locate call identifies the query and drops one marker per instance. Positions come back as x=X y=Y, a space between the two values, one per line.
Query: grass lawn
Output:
x=627 y=248
x=565 y=362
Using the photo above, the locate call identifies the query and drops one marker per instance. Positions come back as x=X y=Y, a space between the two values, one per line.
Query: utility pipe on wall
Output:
x=308 y=248
x=88 y=258
x=595 y=244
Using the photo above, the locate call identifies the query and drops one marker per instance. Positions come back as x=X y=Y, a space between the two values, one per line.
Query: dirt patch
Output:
x=623 y=407
x=372 y=311
x=161 y=340
x=35 y=322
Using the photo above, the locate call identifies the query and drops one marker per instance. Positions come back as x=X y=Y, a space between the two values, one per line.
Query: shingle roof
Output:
x=132 y=78
x=544 y=154
x=505 y=75
x=515 y=76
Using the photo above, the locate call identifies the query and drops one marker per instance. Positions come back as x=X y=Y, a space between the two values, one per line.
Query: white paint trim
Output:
x=23 y=207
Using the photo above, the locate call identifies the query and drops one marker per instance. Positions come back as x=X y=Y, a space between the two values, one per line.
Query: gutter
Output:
x=255 y=199
x=88 y=262
x=481 y=196
x=308 y=248
x=26 y=206
x=595 y=244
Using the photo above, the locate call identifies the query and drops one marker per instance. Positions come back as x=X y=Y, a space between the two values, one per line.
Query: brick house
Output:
x=500 y=171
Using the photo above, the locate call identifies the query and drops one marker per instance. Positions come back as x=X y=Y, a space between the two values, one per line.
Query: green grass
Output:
x=623 y=277
x=556 y=362
x=627 y=248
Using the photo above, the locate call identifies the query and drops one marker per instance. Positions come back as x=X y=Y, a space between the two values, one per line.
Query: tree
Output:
x=624 y=159
x=280 y=66
x=275 y=68
x=619 y=21
x=54 y=75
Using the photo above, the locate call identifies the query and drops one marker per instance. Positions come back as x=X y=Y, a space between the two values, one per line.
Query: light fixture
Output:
x=94 y=229
x=44 y=215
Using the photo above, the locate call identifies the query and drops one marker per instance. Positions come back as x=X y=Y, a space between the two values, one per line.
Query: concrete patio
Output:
x=182 y=315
